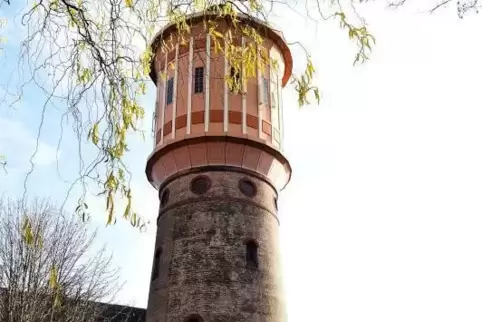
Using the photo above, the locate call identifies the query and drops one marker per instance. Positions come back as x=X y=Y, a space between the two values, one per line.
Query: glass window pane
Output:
x=265 y=91
x=198 y=80
x=170 y=91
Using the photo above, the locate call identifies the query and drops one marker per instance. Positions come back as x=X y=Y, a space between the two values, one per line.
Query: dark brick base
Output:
x=202 y=268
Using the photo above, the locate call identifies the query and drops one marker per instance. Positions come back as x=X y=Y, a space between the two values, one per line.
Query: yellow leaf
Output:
x=27 y=231
x=57 y=301
x=53 y=278
x=95 y=133
x=198 y=4
x=129 y=3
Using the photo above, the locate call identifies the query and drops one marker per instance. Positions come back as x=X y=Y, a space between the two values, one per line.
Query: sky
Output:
x=382 y=219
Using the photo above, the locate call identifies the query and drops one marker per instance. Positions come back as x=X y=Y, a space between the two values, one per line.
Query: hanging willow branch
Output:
x=94 y=53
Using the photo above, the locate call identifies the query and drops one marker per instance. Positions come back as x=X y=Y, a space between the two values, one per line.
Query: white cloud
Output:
x=46 y=154
x=17 y=144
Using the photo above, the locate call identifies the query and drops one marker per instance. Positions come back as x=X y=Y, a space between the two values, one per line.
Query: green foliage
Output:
x=3 y=40
x=103 y=61
x=55 y=286
x=32 y=237
x=54 y=277
x=245 y=59
x=362 y=37
x=27 y=232
x=303 y=85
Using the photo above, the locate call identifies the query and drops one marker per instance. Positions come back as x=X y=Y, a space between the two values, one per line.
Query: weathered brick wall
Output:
x=203 y=267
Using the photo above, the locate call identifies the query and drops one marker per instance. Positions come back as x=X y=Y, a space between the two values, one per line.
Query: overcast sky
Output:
x=382 y=220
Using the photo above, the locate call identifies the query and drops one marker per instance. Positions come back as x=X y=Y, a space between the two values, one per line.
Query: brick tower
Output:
x=218 y=166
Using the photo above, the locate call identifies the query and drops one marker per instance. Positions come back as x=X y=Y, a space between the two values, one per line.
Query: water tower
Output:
x=218 y=167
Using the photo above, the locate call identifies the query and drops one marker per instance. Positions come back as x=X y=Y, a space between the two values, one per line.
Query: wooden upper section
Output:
x=195 y=101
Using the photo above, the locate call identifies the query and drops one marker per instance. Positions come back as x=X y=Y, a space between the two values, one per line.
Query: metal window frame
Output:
x=199 y=80
x=170 y=91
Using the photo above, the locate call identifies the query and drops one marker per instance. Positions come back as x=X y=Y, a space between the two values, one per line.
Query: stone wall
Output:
x=203 y=269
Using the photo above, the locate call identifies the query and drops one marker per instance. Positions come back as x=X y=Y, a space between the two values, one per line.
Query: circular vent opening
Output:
x=247 y=187
x=200 y=185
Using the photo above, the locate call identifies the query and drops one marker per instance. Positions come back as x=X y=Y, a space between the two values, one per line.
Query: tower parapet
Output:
x=218 y=166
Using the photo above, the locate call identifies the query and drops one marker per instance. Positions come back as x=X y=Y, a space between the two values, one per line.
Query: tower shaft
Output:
x=204 y=239
x=218 y=166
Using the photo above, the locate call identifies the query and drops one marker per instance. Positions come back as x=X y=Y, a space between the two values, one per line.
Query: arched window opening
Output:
x=155 y=267
x=194 y=318
x=252 y=254
x=164 y=197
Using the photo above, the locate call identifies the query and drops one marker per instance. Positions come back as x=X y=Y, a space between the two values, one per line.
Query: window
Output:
x=274 y=103
x=235 y=83
x=170 y=91
x=155 y=267
x=251 y=254
x=164 y=197
x=200 y=185
x=198 y=80
x=275 y=109
x=194 y=318
x=247 y=188
x=265 y=91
